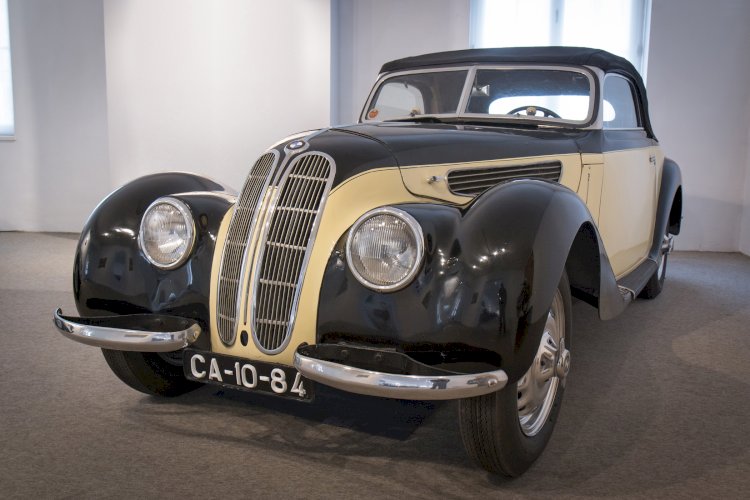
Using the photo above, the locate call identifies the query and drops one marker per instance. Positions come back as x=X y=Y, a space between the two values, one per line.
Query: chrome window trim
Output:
x=633 y=95
x=308 y=251
x=590 y=73
x=183 y=208
x=387 y=76
x=419 y=237
x=539 y=120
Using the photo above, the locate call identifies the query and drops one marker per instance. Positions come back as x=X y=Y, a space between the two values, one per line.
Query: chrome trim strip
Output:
x=122 y=339
x=244 y=259
x=262 y=245
x=388 y=385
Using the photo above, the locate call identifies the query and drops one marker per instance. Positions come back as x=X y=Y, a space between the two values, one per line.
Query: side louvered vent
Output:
x=474 y=181
x=238 y=233
x=286 y=248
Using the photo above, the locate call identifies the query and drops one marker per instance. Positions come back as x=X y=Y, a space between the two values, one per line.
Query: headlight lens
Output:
x=384 y=249
x=167 y=233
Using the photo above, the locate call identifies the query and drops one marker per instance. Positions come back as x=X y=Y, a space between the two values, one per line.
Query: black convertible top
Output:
x=573 y=56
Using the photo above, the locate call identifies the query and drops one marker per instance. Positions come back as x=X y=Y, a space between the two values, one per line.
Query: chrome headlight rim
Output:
x=416 y=229
x=184 y=210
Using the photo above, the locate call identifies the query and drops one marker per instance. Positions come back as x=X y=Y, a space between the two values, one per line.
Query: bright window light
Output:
x=617 y=26
x=7 y=128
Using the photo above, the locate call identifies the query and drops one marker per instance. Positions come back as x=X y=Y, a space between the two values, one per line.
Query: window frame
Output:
x=11 y=136
x=592 y=118
x=634 y=95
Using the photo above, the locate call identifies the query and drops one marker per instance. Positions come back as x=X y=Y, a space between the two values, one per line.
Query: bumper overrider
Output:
x=360 y=370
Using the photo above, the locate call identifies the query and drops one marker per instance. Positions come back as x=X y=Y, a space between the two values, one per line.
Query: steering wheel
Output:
x=531 y=111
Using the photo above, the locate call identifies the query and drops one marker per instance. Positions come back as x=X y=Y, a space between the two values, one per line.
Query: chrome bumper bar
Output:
x=136 y=332
x=397 y=386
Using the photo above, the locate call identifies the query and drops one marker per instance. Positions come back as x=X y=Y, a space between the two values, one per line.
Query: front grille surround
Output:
x=239 y=234
x=285 y=247
x=475 y=181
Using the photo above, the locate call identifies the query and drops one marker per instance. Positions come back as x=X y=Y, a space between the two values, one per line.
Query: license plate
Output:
x=238 y=373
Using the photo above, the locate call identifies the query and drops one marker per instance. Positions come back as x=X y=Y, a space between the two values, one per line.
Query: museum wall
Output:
x=56 y=170
x=108 y=90
x=208 y=86
x=366 y=34
x=698 y=76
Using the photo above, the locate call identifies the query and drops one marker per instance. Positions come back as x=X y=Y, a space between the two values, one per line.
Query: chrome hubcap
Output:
x=538 y=387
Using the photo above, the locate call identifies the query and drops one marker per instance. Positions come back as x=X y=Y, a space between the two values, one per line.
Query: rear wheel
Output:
x=157 y=374
x=506 y=431
x=656 y=283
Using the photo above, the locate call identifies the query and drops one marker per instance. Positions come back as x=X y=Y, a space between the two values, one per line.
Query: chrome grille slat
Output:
x=286 y=247
x=472 y=182
x=238 y=234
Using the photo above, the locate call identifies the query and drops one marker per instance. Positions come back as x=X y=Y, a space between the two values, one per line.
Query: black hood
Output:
x=362 y=147
x=429 y=143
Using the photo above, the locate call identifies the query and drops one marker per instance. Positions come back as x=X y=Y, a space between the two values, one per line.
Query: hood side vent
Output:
x=475 y=181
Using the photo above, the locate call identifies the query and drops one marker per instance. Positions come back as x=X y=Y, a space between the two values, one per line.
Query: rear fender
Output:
x=669 y=208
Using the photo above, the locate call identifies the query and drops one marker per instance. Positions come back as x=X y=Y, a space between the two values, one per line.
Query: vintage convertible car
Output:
x=428 y=252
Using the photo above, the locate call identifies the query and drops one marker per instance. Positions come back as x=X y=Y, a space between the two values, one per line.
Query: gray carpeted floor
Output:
x=658 y=406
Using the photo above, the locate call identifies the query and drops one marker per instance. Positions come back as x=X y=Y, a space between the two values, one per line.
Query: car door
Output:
x=629 y=177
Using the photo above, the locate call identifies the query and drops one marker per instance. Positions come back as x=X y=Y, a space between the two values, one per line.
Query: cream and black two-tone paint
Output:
x=509 y=209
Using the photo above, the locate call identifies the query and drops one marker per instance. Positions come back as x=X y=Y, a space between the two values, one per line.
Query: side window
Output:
x=619 y=110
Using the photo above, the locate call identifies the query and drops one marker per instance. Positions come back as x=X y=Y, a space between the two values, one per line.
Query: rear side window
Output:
x=619 y=109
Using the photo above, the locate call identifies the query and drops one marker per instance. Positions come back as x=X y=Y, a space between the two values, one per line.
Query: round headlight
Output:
x=167 y=233
x=384 y=249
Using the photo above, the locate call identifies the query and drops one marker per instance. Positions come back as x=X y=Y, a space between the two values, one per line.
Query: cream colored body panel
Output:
x=430 y=180
x=345 y=204
x=627 y=204
x=595 y=177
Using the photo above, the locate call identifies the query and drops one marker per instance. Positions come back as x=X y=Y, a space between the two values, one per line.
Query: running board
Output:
x=636 y=280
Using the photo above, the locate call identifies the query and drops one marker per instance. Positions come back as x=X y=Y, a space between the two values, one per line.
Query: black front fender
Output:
x=487 y=281
x=112 y=276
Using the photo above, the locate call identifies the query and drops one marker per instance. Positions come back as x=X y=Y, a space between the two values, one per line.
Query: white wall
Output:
x=56 y=170
x=699 y=92
x=207 y=86
x=369 y=33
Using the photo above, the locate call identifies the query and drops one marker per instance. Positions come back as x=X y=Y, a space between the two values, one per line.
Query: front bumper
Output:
x=322 y=363
x=133 y=332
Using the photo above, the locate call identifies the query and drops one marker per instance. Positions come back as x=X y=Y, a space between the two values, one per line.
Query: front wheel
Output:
x=506 y=431
x=157 y=374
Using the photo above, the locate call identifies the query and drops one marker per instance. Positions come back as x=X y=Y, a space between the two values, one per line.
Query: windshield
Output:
x=425 y=93
x=543 y=94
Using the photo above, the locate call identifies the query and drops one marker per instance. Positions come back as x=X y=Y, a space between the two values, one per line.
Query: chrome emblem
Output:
x=294 y=145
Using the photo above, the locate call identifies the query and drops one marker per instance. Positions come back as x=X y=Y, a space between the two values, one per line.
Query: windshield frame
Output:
x=462 y=116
